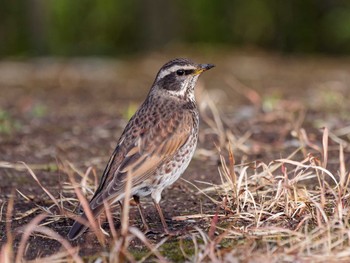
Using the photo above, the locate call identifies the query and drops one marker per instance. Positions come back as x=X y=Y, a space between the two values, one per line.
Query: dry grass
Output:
x=286 y=210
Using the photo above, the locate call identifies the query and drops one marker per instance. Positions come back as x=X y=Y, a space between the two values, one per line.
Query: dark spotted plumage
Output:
x=157 y=144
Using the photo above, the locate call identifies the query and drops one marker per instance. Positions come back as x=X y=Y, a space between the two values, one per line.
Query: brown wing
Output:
x=151 y=148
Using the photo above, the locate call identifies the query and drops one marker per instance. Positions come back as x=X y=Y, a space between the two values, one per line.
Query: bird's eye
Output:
x=180 y=72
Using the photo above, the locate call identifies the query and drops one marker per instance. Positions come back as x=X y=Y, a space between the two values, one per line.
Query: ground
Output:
x=64 y=116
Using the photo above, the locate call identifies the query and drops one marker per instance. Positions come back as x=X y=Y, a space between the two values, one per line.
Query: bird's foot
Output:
x=174 y=233
x=145 y=229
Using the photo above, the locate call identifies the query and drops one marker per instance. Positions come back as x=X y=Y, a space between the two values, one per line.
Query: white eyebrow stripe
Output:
x=174 y=68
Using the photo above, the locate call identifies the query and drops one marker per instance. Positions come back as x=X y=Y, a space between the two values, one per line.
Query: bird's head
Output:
x=178 y=78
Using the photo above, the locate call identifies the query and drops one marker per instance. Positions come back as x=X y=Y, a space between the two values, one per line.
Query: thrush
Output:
x=156 y=145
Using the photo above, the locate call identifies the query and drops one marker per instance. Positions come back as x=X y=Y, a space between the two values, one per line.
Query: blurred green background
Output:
x=111 y=27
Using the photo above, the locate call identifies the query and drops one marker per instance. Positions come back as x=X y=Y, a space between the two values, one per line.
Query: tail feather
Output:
x=80 y=225
x=77 y=229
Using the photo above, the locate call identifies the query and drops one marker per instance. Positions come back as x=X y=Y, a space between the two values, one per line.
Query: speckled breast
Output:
x=174 y=168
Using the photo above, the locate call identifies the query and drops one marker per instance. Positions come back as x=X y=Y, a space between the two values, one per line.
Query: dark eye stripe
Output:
x=189 y=71
x=182 y=72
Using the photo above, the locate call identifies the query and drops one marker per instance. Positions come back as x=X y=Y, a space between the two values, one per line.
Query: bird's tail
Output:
x=80 y=225
x=77 y=228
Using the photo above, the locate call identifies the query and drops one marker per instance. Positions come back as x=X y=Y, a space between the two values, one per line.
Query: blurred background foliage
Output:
x=112 y=27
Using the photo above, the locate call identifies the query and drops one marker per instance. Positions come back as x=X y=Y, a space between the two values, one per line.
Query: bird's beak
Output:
x=203 y=67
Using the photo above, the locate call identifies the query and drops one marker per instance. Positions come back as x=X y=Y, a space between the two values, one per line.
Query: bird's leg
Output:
x=141 y=211
x=165 y=226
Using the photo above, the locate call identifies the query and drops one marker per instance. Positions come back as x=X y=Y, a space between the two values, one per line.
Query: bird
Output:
x=156 y=145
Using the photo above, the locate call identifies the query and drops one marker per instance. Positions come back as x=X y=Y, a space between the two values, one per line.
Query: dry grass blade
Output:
x=199 y=189
x=25 y=236
x=342 y=169
x=153 y=249
x=110 y=220
x=85 y=205
x=239 y=87
x=19 y=166
x=120 y=251
x=196 y=216
x=6 y=250
x=214 y=121
x=42 y=187
x=325 y=147
x=52 y=234
x=59 y=257
x=2 y=212
x=126 y=205
x=298 y=164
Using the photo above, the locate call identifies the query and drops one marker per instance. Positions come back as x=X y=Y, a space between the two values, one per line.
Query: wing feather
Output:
x=151 y=149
